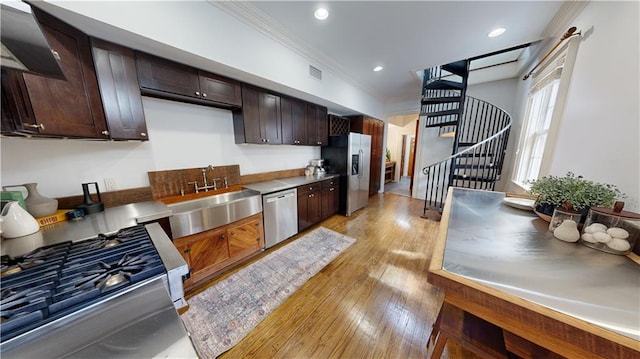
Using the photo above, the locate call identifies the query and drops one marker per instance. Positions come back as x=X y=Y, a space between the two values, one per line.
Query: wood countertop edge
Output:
x=443 y=279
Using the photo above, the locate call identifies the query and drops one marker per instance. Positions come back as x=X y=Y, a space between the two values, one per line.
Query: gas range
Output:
x=53 y=281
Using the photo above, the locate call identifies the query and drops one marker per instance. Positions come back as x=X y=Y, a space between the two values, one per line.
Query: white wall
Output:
x=599 y=131
x=181 y=136
x=502 y=94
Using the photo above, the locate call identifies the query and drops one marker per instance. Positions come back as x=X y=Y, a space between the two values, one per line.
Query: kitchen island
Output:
x=503 y=271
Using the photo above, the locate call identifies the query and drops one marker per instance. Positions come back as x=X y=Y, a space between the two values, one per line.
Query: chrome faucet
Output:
x=206 y=185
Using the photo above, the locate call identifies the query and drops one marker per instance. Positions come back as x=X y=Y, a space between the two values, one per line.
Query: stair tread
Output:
x=457 y=67
x=442 y=124
x=442 y=99
x=454 y=111
x=474 y=178
x=476 y=155
x=444 y=85
x=466 y=144
x=473 y=166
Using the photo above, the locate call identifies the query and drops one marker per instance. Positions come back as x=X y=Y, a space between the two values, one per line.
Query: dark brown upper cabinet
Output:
x=259 y=121
x=294 y=121
x=317 y=125
x=116 y=70
x=69 y=107
x=167 y=79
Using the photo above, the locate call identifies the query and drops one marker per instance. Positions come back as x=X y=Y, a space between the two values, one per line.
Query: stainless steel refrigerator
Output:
x=350 y=157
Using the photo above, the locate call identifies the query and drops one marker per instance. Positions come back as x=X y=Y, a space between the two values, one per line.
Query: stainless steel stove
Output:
x=73 y=290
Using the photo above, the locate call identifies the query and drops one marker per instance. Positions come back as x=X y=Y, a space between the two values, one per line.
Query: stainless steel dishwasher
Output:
x=280 y=216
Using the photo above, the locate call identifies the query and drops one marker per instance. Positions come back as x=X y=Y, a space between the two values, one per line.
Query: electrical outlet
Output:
x=109 y=184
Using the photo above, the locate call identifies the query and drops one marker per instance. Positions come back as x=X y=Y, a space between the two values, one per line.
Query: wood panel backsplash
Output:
x=110 y=199
x=173 y=182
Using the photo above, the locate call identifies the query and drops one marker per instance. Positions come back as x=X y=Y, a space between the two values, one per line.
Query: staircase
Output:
x=480 y=132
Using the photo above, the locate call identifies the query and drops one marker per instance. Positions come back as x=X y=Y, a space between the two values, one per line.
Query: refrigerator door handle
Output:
x=361 y=155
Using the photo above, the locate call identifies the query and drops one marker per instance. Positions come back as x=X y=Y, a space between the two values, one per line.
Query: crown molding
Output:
x=567 y=13
x=257 y=19
x=557 y=26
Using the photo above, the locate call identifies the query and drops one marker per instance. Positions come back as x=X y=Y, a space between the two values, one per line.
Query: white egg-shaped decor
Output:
x=588 y=237
x=619 y=244
x=595 y=227
x=616 y=232
x=567 y=231
x=601 y=237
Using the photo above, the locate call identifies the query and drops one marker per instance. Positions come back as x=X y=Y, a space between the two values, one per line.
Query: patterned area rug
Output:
x=222 y=315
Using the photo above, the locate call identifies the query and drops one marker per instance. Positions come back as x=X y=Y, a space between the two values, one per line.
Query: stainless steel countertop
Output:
x=513 y=251
x=107 y=222
x=286 y=183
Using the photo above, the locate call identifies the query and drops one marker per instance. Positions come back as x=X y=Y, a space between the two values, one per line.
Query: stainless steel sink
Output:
x=205 y=213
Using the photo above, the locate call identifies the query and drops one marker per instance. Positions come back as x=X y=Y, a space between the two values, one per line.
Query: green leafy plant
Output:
x=582 y=194
x=388 y=155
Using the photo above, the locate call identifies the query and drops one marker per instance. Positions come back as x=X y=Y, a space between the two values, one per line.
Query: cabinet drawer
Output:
x=329 y=183
x=309 y=188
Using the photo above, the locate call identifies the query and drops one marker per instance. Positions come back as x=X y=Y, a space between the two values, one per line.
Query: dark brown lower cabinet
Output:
x=210 y=252
x=317 y=201
x=309 y=211
x=330 y=202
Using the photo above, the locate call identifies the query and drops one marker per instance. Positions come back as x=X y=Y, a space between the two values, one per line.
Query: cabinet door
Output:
x=182 y=245
x=70 y=107
x=17 y=116
x=157 y=74
x=309 y=201
x=322 y=120
x=317 y=125
x=270 y=121
x=118 y=80
x=330 y=198
x=246 y=236
x=206 y=250
x=220 y=89
x=294 y=126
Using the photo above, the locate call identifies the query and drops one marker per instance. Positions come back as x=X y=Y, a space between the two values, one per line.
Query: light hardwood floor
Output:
x=373 y=301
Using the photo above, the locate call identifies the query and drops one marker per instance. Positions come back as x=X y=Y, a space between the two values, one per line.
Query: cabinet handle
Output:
x=319 y=142
x=331 y=189
x=105 y=132
x=142 y=134
x=187 y=250
x=232 y=233
x=197 y=93
x=55 y=54
x=224 y=236
x=204 y=94
x=267 y=140
x=257 y=224
x=38 y=126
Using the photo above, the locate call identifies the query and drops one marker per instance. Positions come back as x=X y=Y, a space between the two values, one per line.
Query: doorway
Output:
x=401 y=141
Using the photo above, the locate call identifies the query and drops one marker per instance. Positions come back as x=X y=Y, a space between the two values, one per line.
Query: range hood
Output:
x=24 y=46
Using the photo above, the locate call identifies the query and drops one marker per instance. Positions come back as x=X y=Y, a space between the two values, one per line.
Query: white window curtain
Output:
x=543 y=113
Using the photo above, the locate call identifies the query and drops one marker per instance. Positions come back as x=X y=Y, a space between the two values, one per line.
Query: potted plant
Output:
x=572 y=193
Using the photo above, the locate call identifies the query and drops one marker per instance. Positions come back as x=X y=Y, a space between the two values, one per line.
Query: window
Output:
x=534 y=136
x=542 y=115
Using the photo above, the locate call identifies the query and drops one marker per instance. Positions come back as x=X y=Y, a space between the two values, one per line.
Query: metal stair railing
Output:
x=485 y=128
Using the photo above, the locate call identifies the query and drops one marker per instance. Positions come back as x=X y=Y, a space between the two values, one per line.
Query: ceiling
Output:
x=402 y=36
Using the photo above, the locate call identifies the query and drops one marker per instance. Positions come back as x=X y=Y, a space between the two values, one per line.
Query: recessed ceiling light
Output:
x=377 y=68
x=497 y=32
x=321 y=13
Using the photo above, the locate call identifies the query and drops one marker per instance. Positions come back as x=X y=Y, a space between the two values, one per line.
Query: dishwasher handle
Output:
x=280 y=196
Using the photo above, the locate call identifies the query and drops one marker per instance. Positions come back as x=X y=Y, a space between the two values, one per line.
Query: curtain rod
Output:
x=566 y=35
